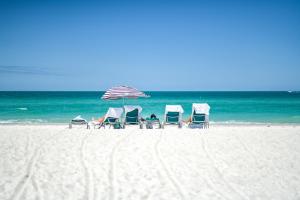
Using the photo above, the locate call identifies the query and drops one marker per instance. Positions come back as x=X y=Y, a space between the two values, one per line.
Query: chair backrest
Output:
x=78 y=122
x=132 y=117
x=198 y=118
x=110 y=120
x=172 y=117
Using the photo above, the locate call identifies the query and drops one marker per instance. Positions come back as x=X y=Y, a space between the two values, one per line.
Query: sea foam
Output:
x=22 y=108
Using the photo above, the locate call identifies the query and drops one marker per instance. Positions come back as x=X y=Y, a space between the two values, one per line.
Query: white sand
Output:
x=232 y=162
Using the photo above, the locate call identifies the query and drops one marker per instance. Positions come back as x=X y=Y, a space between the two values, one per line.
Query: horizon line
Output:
x=153 y=90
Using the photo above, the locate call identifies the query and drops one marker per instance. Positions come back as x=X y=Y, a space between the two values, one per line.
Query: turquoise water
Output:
x=226 y=107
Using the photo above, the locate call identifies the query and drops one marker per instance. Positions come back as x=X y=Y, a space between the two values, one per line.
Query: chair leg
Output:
x=102 y=125
x=179 y=125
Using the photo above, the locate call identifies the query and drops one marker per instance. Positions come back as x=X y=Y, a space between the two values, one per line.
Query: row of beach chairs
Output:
x=131 y=115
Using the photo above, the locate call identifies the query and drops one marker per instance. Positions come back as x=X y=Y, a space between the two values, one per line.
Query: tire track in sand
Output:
x=167 y=171
x=37 y=188
x=207 y=180
x=23 y=183
x=88 y=175
x=111 y=173
x=21 y=186
x=241 y=195
x=246 y=148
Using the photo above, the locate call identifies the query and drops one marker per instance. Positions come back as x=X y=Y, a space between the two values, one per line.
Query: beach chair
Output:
x=200 y=115
x=114 y=122
x=78 y=121
x=150 y=121
x=132 y=116
x=173 y=115
x=112 y=118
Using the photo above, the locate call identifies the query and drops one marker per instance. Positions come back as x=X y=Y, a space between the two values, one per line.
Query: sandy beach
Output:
x=223 y=162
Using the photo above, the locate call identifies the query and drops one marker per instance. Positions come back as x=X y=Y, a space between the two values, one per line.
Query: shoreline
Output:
x=214 y=124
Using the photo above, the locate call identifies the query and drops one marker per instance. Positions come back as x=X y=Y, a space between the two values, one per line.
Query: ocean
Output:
x=226 y=107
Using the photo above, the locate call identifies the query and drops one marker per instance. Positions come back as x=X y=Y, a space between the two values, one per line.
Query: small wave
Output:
x=296 y=117
x=235 y=122
x=8 y=121
x=22 y=108
x=25 y=121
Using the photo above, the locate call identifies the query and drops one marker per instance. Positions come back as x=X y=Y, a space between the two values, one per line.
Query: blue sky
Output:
x=151 y=45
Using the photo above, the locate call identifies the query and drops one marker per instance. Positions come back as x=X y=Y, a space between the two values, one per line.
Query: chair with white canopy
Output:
x=173 y=115
x=200 y=115
x=111 y=118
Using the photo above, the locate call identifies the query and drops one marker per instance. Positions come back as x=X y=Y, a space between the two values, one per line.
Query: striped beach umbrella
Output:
x=121 y=92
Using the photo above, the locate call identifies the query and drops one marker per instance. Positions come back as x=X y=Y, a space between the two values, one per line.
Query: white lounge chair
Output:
x=173 y=115
x=200 y=115
x=132 y=115
x=78 y=121
x=112 y=118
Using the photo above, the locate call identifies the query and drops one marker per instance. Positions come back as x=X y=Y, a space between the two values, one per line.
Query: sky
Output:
x=151 y=45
